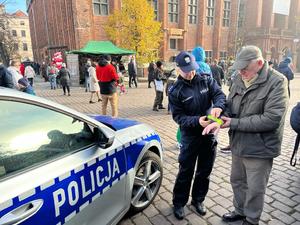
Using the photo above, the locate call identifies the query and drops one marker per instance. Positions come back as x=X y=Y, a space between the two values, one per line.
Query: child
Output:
x=25 y=86
x=121 y=84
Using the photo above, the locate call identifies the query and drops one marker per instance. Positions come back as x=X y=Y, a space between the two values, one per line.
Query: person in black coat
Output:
x=151 y=69
x=6 y=79
x=192 y=97
x=132 y=72
x=285 y=69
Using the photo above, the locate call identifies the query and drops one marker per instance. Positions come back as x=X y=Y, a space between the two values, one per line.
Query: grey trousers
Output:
x=249 y=179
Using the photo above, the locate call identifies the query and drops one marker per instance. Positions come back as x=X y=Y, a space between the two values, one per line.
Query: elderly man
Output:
x=257 y=104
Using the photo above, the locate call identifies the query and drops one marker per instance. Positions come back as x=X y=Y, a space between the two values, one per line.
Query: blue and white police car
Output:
x=59 y=166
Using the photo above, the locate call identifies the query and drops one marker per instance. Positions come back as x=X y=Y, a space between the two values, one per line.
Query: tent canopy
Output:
x=102 y=48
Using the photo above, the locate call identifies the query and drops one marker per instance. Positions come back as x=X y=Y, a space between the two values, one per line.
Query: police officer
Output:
x=192 y=97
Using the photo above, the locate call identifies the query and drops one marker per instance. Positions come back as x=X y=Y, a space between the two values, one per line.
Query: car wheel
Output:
x=147 y=182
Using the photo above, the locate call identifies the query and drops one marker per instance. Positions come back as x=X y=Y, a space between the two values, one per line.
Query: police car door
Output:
x=53 y=172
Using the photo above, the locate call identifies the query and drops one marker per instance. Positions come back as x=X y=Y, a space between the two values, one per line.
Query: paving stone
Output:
x=283 y=217
x=175 y=221
x=142 y=220
x=284 y=200
x=296 y=215
x=283 y=192
x=195 y=220
x=281 y=206
x=276 y=222
x=163 y=207
x=219 y=210
x=159 y=220
x=150 y=211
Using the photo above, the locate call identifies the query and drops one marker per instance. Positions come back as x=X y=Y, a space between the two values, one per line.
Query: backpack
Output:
x=295 y=123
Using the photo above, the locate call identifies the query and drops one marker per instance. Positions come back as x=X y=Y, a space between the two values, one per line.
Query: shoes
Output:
x=161 y=107
x=226 y=149
x=232 y=217
x=64 y=93
x=199 y=206
x=246 y=222
x=178 y=212
x=155 y=109
x=99 y=100
x=69 y=94
x=91 y=102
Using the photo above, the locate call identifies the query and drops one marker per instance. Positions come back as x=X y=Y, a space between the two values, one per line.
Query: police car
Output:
x=59 y=166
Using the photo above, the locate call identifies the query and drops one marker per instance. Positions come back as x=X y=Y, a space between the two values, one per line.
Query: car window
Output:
x=31 y=135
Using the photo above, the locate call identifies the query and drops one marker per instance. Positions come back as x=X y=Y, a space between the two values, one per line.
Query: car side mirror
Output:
x=104 y=139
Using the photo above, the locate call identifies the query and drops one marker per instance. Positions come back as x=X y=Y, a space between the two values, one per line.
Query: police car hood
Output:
x=115 y=123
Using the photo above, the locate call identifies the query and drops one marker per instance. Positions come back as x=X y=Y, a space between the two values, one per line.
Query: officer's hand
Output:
x=211 y=128
x=204 y=121
x=216 y=112
x=226 y=121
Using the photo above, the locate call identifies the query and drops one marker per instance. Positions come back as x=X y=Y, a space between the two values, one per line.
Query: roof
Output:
x=101 y=48
x=19 y=13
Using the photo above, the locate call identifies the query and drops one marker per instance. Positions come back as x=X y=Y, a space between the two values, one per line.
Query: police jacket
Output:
x=257 y=114
x=189 y=100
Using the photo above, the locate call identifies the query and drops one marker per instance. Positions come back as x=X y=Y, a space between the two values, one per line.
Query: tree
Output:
x=135 y=28
x=8 y=42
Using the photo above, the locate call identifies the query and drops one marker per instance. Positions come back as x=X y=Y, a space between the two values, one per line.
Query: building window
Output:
x=14 y=33
x=173 y=11
x=23 y=33
x=210 y=12
x=154 y=4
x=16 y=46
x=100 y=7
x=223 y=55
x=226 y=13
x=241 y=15
x=25 y=47
x=22 y=23
x=193 y=11
x=173 y=44
x=208 y=54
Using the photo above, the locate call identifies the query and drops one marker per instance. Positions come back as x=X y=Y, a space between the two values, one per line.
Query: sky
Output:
x=13 y=5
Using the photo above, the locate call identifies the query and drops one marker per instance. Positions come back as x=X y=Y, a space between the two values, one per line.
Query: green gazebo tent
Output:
x=102 y=48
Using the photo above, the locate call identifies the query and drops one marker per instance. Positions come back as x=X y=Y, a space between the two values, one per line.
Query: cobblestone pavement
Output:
x=283 y=192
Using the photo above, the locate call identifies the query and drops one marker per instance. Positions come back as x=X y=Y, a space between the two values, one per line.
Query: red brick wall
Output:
x=51 y=24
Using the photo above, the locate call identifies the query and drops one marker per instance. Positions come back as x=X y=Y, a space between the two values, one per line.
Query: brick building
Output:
x=275 y=31
x=70 y=24
x=18 y=25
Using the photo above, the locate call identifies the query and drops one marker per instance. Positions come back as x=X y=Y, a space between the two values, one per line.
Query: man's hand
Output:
x=203 y=121
x=211 y=128
x=216 y=112
x=226 y=121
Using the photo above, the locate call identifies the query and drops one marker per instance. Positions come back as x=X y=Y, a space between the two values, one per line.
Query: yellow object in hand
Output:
x=212 y=118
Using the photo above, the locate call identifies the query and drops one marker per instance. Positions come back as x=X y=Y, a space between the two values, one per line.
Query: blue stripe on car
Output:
x=115 y=123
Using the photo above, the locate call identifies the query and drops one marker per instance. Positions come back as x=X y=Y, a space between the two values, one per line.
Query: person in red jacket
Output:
x=22 y=69
x=108 y=80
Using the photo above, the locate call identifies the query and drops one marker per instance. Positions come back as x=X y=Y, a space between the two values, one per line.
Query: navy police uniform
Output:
x=189 y=100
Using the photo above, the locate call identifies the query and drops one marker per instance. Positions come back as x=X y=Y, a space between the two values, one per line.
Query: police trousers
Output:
x=202 y=150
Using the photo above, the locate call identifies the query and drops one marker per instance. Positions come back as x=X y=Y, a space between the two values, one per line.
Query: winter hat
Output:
x=245 y=56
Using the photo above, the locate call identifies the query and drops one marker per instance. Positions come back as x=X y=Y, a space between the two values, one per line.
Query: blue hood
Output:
x=199 y=55
x=115 y=123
